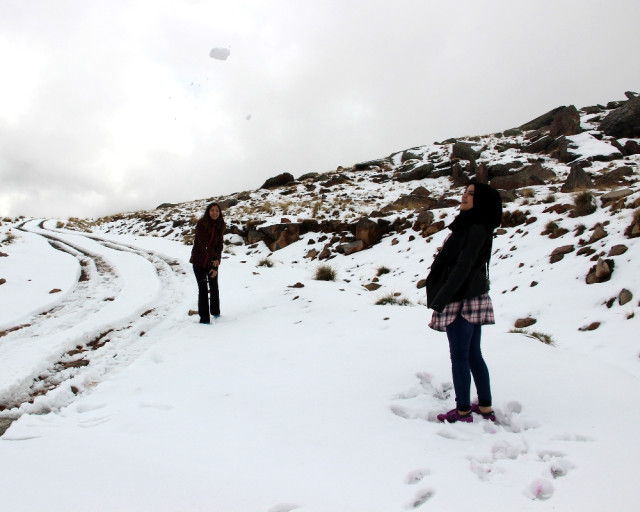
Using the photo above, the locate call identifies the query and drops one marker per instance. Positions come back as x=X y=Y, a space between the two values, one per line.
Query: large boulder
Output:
x=465 y=151
x=543 y=121
x=578 y=179
x=623 y=122
x=279 y=236
x=368 y=231
x=416 y=172
x=531 y=175
x=566 y=122
x=278 y=181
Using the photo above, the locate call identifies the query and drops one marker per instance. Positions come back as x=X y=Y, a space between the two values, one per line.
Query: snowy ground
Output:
x=305 y=398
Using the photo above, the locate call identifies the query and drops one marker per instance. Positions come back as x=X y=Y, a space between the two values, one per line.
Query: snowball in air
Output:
x=220 y=53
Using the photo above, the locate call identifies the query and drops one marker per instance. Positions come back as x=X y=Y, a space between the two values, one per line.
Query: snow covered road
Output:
x=119 y=296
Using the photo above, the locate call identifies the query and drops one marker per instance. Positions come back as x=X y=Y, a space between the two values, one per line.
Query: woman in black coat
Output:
x=457 y=291
x=205 y=257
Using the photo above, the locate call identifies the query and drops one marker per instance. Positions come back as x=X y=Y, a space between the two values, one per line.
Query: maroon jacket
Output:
x=207 y=246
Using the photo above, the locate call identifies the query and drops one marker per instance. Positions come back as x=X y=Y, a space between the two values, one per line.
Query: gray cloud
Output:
x=112 y=106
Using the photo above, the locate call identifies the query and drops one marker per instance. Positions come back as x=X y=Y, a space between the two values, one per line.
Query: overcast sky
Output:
x=111 y=106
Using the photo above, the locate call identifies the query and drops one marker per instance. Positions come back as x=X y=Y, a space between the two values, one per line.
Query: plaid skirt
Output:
x=476 y=310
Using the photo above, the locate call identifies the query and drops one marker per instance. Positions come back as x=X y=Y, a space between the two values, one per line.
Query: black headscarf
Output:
x=487 y=209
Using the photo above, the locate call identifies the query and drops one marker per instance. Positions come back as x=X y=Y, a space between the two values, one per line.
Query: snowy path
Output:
x=121 y=294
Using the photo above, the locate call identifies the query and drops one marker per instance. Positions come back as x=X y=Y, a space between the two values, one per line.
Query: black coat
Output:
x=459 y=271
x=207 y=246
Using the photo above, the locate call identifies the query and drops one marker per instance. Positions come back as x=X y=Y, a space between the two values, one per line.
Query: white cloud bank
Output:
x=111 y=106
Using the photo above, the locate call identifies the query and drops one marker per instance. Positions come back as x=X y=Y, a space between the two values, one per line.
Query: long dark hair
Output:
x=218 y=224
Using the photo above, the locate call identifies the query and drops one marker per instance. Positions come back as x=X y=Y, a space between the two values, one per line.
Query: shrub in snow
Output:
x=325 y=273
x=584 y=204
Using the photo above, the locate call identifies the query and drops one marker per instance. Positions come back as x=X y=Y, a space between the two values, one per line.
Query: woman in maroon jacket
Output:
x=205 y=256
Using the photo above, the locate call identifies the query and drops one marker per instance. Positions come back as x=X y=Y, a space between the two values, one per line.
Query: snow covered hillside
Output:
x=315 y=395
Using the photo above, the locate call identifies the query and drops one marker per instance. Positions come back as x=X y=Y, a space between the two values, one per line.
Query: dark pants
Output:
x=208 y=294
x=466 y=360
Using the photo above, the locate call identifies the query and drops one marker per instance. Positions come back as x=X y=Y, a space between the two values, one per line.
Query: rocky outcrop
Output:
x=543 y=121
x=371 y=164
x=565 y=122
x=531 y=175
x=623 y=122
x=278 y=181
x=418 y=198
x=368 y=231
x=415 y=172
x=465 y=151
x=601 y=272
x=279 y=236
x=578 y=179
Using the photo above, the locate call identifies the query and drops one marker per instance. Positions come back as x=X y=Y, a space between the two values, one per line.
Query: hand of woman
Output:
x=213 y=272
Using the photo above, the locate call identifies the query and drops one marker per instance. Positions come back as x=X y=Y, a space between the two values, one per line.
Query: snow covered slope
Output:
x=307 y=395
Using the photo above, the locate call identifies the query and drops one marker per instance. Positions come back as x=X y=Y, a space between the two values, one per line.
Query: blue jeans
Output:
x=466 y=360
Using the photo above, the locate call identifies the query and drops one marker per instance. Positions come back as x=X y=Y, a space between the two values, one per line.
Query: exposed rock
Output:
x=598 y=233
x=482 y=173
x=625 y=297
x=615 y=177
x=411 y=154
x=308 y=176
x=512 y=132
x=632 y=147
x=338 y=179
x=434 y=228
x=55 y=290
x=578 y=179
x=279 y=236
x=566 y=122
x=424 y=220
x=278 y=181
x=521 y=323
x=2 y=280
x=365 y=166
x=350 y=247
x=539 y=145
x=372 y=286
x=618 y=250
x=615 y=195
x=561 y=150
x=601 y=272
x=531 y=175
x=559 y=253
x=312 y=254
x=368 y=231
x=591 y=327
x=417 y=172
x=465 y=151
x=624 y=122
x=419 y=198
x=633 y=231
x=3 y=255
x=542 y=121
x=254 y=236
x=228 y=203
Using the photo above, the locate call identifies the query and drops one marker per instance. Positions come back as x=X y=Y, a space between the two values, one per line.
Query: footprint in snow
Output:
x=422 y=396
x=559 y=466
x=421 y=498
x=416 y=476
x=540 y=489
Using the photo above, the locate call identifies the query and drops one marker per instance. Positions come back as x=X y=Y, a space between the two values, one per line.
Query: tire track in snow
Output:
x=95 y=274
x=88 y=357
